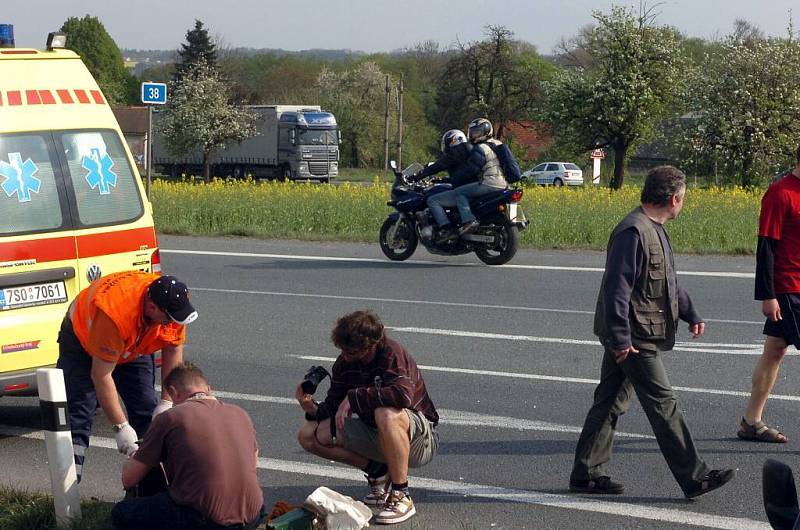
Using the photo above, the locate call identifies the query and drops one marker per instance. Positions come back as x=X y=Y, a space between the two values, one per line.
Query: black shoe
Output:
x=714 y=479
x=469 y=227
x=446 y=233
x=600 y=485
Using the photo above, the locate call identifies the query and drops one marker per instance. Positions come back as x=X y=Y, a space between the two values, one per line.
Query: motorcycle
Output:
x=495 y=241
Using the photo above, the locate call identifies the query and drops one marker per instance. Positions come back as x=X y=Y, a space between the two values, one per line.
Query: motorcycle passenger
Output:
x=483 y=170
x=455 y=152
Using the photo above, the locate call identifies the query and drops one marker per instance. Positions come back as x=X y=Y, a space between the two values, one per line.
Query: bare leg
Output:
x=393 y=435
x=764 y=376
x=316 y=439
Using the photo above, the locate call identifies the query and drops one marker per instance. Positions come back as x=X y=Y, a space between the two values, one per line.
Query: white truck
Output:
x=295 y=142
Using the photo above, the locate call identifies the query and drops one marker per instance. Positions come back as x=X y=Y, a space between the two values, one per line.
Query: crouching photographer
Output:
x=209 y=452
x=375 y=377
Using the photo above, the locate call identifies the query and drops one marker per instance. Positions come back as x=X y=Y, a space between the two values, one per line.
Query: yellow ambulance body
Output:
x=72 y=204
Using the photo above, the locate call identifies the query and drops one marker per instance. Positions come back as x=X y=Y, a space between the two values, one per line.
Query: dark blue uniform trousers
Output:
x=135 y=383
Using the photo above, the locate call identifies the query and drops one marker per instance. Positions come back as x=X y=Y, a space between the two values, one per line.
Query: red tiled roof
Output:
x=533 y=136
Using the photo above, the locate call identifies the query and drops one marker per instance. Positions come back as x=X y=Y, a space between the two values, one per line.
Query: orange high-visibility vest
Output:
x=121 y=296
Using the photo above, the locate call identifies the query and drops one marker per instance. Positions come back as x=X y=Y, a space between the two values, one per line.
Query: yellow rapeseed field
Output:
x=714 y=220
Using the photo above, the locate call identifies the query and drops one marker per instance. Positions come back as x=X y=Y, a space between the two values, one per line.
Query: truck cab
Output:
x=308 y=144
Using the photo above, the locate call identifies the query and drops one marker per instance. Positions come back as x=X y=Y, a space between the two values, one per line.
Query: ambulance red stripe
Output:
x=65 y=96
x=47 y=97
x=14 y=97
x=64 y=248
x=98 y=97
x=33 y=97
x=81 y=95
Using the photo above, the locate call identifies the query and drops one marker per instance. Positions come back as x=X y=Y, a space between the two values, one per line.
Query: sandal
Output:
x=760 y=432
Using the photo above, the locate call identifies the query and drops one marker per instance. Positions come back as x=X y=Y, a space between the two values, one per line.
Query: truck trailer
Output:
x=295 y=142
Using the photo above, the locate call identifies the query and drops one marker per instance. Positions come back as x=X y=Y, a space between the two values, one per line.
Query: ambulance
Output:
x=72 y=204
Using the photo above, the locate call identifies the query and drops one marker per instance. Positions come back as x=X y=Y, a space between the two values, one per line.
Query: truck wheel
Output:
x=287 y=174
x=238 y=172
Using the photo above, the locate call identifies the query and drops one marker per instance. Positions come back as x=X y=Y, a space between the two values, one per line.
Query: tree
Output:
x=356 y=98
x=498 y=78
x=634 y=78
x=199 y=115
x=746 y=106
x=199 y=48
x=88 y=38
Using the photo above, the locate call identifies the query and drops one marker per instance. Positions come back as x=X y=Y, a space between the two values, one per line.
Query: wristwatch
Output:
x=117 y=427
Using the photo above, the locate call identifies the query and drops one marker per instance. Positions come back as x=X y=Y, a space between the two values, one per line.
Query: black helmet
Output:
x=452 y=138
x=480 y=130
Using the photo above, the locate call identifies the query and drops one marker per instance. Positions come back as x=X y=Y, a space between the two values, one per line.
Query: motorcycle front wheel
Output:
x=505 y=246
x=398 y=240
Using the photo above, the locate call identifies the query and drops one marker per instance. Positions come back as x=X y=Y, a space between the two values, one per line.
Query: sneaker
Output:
x=715 y=478
x=600 y=485
x=378 y=490
x=469 y=227
x=398 y=508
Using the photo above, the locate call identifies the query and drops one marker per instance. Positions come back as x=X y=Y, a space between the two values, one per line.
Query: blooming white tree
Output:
x=746 y=105
x=201 y=116
x=631 y=79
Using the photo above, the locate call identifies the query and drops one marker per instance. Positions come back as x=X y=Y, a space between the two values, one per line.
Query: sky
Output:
x=370 y=25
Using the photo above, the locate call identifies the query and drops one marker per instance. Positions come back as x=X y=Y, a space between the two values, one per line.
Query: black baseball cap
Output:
x=172 y=296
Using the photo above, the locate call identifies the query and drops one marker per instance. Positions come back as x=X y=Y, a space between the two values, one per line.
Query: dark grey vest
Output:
x=653 y=311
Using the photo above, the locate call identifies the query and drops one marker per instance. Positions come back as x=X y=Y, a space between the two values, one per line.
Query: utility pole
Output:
x=400 y=123
x=386 y=127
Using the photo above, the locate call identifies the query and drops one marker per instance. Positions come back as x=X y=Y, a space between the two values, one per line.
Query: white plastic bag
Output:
x=340 y=512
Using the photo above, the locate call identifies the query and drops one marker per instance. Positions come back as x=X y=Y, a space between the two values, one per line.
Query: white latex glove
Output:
x=163 y=405
x=126 y=439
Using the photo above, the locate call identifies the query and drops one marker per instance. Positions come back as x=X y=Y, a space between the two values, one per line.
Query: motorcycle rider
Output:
x=455 y=151
x=483 y=171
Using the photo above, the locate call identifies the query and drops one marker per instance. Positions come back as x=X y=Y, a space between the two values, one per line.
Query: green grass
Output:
x=714 y=220
x=20 y=510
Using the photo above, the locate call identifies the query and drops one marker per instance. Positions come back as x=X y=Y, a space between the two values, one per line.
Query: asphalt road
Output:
x=510 y=361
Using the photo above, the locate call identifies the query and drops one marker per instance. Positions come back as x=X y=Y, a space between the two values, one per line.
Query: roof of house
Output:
x=132 y=120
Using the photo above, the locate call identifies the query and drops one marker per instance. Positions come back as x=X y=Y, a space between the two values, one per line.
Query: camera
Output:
x=313 y=378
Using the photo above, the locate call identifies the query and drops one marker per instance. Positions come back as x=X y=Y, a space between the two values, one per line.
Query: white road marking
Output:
x=482 y=491
x=697 y=347
x=579 y=380
x=709 y=274
x=430 y=302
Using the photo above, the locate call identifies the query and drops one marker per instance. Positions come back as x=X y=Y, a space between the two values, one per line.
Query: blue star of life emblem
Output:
x=19 y=177
x=100 y=175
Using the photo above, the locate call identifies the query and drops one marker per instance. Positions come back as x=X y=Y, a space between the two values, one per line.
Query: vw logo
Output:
x=93 y=272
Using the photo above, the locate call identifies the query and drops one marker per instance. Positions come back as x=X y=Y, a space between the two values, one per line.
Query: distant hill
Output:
x=169 y=56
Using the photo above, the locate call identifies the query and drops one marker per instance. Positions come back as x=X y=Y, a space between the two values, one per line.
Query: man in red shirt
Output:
x=778 y=288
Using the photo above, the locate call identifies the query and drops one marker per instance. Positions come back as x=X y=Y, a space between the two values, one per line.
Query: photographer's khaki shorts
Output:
x=363 y=439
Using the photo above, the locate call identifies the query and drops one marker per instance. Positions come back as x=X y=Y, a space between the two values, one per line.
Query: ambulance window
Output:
x=28 y=193
x=102 y=178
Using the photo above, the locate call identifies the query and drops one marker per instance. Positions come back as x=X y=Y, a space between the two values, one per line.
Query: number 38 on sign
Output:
x=154 y=93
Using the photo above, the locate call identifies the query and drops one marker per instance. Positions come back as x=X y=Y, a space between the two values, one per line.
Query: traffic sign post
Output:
x=152 y=94
x=597 y=156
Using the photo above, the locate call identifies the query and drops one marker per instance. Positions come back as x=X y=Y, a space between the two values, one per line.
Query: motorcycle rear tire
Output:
x=505 y=248
x=408 y=235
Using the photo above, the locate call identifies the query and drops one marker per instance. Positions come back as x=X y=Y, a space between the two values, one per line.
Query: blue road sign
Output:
x=154 y=93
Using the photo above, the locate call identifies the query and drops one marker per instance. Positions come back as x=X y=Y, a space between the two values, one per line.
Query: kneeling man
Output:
x=375 y=377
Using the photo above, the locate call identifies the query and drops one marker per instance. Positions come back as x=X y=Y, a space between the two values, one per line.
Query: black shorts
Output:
x=788 y=328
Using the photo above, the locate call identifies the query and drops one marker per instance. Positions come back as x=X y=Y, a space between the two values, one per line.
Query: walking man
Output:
x=636 y=318
x=105 y=345
x=375 y=377
x=778 y=288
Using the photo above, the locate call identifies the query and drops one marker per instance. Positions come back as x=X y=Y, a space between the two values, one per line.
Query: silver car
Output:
x=556 y=174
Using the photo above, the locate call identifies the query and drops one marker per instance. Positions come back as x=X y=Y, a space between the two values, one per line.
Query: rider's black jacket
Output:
x=456 y=161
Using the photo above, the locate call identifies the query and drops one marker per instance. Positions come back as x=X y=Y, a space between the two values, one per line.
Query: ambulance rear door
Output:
x=38 y=255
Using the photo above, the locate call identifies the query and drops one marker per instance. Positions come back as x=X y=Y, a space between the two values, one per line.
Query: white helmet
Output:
x=480 y=130
x=452 y=138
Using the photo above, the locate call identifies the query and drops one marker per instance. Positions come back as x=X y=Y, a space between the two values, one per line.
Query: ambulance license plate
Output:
x=32 y=295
